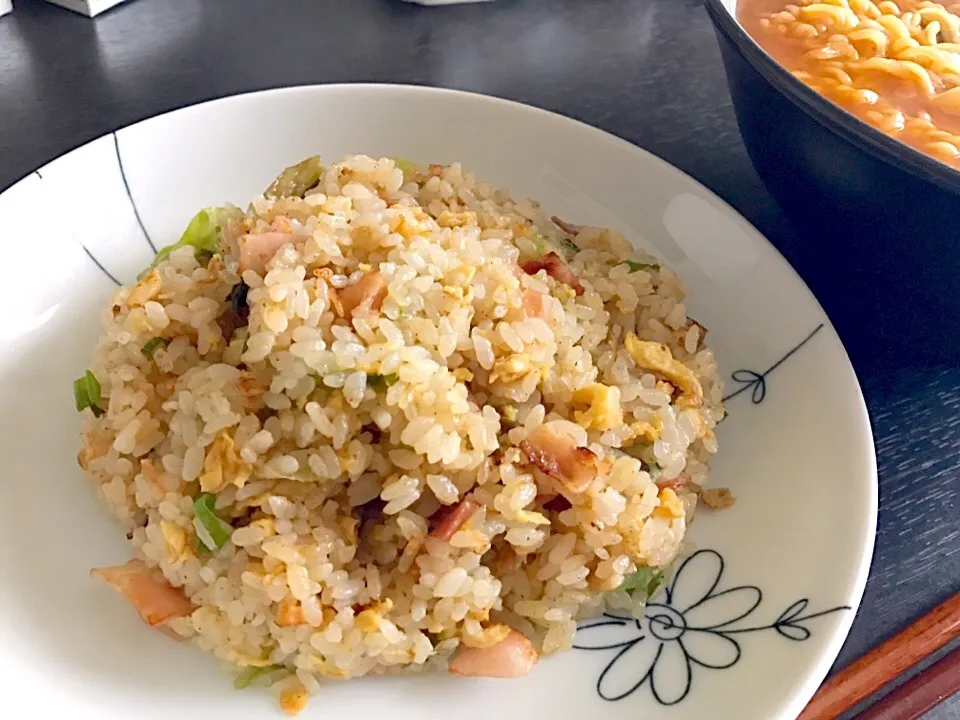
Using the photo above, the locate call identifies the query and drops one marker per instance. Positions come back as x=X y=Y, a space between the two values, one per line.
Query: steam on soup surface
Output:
x=895 y=65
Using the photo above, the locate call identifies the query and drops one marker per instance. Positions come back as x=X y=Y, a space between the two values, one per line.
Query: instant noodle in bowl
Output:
x=389 y=418
x=893 y=63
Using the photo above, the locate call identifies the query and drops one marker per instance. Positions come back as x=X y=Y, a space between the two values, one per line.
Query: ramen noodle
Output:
x=895 y=65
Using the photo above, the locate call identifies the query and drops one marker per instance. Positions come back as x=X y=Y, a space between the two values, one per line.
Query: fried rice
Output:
x=389 y=418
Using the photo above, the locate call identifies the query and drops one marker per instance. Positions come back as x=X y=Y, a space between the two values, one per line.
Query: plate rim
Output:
x=817 y=671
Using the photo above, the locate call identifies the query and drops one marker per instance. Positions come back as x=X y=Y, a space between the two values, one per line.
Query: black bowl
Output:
x=868 y=199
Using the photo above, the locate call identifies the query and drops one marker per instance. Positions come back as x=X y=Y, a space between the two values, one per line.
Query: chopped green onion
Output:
x=202 y=234
x=297 y=179
x=543 y=244
x=406 y=167
x=635 y=266
x=86 y=393
x=569 y=245
x=644 y=582
x=381 y=382
x=246 y=676
x=213 y=532
x=151 y=345
x=540 y=243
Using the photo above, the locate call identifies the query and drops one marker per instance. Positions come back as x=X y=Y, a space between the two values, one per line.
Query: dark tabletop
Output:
x=646 y=70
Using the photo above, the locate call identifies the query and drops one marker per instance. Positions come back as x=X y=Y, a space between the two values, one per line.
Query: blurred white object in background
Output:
x=443 y=2
x=85 y=7
x=5 y=6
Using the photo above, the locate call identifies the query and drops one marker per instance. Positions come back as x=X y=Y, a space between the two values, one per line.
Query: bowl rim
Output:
x=849 y=127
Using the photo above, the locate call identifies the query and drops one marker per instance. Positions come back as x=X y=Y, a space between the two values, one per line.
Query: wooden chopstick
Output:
x=886 y=662
x=920 y=693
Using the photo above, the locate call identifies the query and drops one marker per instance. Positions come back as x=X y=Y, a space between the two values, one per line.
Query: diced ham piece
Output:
x=156 y=600
x=454 y=520
x=512 y=657
x=367 y=293
x=559 y=457
x=673 y=483
x=257 y=250
x=532 y=303
x=555 y=267
x=557 y=503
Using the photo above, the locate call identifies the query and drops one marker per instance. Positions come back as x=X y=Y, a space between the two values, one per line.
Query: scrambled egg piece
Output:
x=458 y=293
x=509 y=369
x=463 y=375
x=223 y=465
x=510 y=413
x=369 y=620
x=670 y=505
x=449 y=219
x=175 y=538
x=409 y=222
x=658 y=358
x=289 y=613
x=481 y=614
x=603 y=407
x=488 y=637
x=251 y=661
x=294 y=700
x=646 y=430
x=462 y=275
x=146 y=289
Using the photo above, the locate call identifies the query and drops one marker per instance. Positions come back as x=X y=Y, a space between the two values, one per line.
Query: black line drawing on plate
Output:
x=102 y=268
x=90 y=254
x=126 y=186
x=757 y=382
x=697 y=626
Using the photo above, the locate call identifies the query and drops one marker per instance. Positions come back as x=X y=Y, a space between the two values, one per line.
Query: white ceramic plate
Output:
x=750 y=623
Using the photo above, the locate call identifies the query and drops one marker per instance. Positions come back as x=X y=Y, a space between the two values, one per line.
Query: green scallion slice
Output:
x=246 y=677
x=636 y=266
x=213 y=532
x=381 y=382
x=86 y=394
x=151 y=345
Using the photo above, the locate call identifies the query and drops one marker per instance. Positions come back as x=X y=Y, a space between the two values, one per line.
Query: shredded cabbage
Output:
x=202 y=234
x=297 y=179
x=643 y=583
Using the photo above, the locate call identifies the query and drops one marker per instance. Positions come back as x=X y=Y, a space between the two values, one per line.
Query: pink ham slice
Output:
x=561 y=458
x=257 y=250
x=512 y=657
x=367 y=293
x=454 y=520
x=156 y=600
x=532 y=303
x=555 y=267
